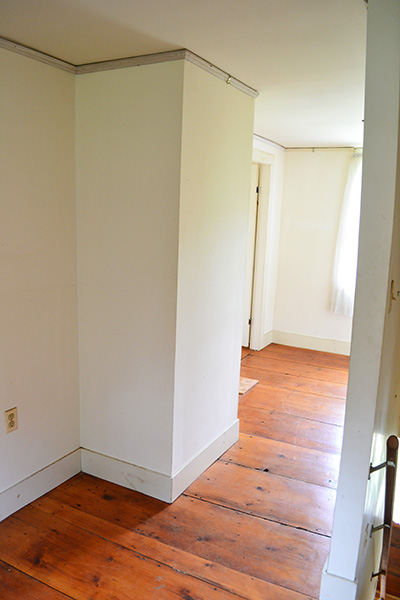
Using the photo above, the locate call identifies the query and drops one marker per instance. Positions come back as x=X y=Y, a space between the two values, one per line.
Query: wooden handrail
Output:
x=392 y=446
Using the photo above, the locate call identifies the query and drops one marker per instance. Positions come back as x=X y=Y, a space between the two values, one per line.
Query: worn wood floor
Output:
x=254 y=526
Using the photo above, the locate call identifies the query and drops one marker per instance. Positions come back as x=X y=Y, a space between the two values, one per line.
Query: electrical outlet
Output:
x=11 y=419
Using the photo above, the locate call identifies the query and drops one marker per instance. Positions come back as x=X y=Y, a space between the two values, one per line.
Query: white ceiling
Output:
x=305 y=57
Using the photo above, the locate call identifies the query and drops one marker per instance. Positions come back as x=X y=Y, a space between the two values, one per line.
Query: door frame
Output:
x=262 y=250
x=260 y=256
x=253 y=209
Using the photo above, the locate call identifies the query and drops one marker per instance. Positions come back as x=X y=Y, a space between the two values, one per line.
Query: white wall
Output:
x=38 y=312
x=129 y=125
x=313 y=187
x=163 y=167
x=372 y=411
x=215 y=183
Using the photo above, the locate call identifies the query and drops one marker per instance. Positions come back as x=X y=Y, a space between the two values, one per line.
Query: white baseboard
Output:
x=151 y=483
x=311 y=343
x=41 y=482
x=261 y=342
x=334 y=587
x=192 y=470
x=148 y=482
x=126 y=474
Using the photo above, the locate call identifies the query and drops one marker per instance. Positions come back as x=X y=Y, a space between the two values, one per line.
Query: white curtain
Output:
x=345 y=265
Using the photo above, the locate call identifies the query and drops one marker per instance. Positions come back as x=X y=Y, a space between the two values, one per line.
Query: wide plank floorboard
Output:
x=264 y=494
x=293 y=430
x=305 y=356
x=296 y=382
x=51 y=549
x=235 y=581
x=288 y=460
x=326 y=409
x=255 y=546
x=254 y=526
x=16 y=585
x=280 y=365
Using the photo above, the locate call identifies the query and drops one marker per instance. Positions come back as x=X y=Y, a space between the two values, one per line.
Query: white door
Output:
x=250 y=254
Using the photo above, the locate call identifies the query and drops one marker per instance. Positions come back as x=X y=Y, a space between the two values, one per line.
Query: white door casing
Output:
x=250 y=253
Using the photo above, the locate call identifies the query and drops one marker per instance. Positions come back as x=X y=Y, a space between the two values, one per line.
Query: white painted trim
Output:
x=262 y=157
x=265 y=340
x=210 y=68
x=321 y=148
x=151 y=483
x=191 y=471
x=183 y=54
x=334 y=587
x=41 y=482
x=36 y=55
x=261 y=257
x=311 y=343
x=303 y=341
x=131 y=61
x=264 y=140
x=139 y=479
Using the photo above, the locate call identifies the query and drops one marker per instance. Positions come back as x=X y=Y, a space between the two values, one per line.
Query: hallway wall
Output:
x=215 y=179
x=136 y=211
x=38 y=313
x=163 y=168
x=129 y=127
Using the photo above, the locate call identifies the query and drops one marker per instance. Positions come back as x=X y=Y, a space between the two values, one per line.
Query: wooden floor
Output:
x=255 y=525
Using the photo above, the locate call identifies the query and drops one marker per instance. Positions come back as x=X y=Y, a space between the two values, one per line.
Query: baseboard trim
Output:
x=157 y=485
x=266 y=340
x=193 y=469
x=334 y=587
x=311 y=343
x=151 y=483
x=39 y=483
x=127 y=474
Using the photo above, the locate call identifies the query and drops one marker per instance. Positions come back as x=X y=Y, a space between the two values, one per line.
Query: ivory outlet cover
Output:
x=11 y=419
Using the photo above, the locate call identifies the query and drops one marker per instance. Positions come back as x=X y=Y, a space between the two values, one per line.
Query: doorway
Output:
x=250 y=253
x=256 y=250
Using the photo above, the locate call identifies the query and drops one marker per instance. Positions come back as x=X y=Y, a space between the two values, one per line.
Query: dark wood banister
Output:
x=392 y=446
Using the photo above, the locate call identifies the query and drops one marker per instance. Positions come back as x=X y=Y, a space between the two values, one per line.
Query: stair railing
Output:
x=390 y=464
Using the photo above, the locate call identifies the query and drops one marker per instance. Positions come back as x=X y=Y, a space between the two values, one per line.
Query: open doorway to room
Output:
x=301 y=194
x=255 y=252
x=262 y=244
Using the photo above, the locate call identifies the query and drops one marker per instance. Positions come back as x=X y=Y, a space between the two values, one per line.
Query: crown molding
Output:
x=263 y=140
x=217 y=72
x=149 y=59
x=134 y=61
x=37 y=55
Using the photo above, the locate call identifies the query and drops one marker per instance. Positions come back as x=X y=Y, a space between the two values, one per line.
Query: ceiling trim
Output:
x=36 y=55
x=134 y=61
x=262 y=139
x=210 y=68
x=149 y=59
